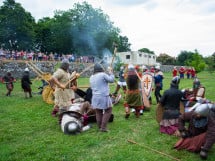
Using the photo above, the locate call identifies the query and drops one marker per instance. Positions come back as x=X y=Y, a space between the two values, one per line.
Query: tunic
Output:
x=63 y=96
x=100 y=90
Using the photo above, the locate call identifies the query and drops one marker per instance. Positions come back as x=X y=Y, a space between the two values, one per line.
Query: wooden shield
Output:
x=144 y=97
x=147 y=82
x=160 y=110
x=48 y=95
x=182 y=109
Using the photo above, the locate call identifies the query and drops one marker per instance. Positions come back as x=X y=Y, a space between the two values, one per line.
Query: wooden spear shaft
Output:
x=167 y=155
x=73 y=78
x=114 y=55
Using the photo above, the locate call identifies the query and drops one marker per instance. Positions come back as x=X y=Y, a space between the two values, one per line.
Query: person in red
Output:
x=193 y=72
x=174 y=72
x=8 y=80
x=181 y=72
x=152 y=70
x=188 y=72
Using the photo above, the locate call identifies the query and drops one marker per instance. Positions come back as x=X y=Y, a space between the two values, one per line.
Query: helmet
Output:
x=202 y=110
x=130 y=67
x=72 y=127
x=98 y=68
x=65 y=64
x=196 y=83
x=26 y=70
x=175 y=80
x=70 y=124
x=157 y=67
x=144 y=67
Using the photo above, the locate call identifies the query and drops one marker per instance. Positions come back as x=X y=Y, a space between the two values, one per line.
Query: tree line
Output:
x=83 y=30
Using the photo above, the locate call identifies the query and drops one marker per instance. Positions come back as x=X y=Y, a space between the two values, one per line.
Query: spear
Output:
x=154 y=150
x=114 y=53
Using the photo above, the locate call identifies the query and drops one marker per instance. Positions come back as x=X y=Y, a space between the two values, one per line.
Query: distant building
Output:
x=137 y=58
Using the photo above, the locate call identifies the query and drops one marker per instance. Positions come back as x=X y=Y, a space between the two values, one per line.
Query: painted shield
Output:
x=147 y=82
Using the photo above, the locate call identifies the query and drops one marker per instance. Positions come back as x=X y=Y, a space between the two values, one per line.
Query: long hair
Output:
x=132 y=80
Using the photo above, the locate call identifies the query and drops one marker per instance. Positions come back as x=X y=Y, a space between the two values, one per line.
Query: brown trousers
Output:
x=102 y=118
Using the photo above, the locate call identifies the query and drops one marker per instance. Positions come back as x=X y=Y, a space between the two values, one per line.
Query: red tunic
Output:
x=174 y=72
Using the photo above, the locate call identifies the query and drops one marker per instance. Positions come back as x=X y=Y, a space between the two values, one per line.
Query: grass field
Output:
x=29 y=133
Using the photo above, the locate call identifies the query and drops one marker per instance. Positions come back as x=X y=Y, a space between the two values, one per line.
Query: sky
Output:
x=162 y=26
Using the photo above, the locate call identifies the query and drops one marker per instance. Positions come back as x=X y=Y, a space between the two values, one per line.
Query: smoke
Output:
x=107 y=58
x=90 y=32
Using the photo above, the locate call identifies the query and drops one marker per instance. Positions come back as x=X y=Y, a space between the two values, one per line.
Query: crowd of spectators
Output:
x=40 y=56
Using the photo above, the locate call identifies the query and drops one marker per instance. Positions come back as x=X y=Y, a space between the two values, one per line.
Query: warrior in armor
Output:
x=121 y=82
x=158 y=79
x=26 y=83
x=101 y=100
x=191 y=96
x=133 y=97
x=199 y=136
x=63 y=92
x=8 y=80
x=170 y=102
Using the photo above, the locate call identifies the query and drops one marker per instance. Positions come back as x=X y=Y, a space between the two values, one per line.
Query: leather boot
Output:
x=99 y=114
x=55 y=111
x=203 y=154
x=105 y=119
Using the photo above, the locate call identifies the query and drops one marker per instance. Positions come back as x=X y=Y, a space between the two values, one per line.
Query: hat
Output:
x=175 y=80
x=98 y=68
x=26 y=70
x=202 y=110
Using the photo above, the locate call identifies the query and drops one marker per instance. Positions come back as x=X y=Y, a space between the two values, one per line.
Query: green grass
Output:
x=29 y=133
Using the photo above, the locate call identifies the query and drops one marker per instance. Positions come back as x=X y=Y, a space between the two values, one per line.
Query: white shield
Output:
x=147 y=82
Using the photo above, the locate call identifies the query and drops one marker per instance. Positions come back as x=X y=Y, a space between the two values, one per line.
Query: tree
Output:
x=92 y=30
x=184 y=57
x=145 y=50
x=16 y=26
x=82 y=30
x=166 y=59
x=210 y=61
x=124 y=44
x=197 y=62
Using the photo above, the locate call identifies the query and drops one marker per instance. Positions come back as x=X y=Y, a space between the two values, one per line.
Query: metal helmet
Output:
x=26 y=70
x=196 y=83
x=157 y=67
x=175 y=80
x=144 y=67
x=121 y=68
x=202 y=110
x=130 y=67
x=70 y=125
x=64 y=64
x=98 y=68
